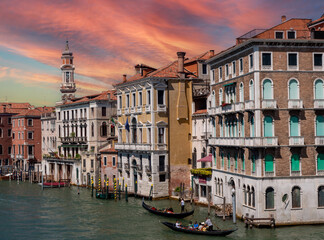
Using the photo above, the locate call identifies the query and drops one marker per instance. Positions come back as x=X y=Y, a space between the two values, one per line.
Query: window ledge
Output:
x=270 y=210
x=320 y=207
x=250 y=207
x=296 y=209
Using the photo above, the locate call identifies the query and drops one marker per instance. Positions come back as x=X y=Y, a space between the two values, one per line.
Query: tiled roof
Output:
x=93 y=97
x=317 y=20
x=108 y=149
x=203 y=56
x=13 y=108
x=201 y=111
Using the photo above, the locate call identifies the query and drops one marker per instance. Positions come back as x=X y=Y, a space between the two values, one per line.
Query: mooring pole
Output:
x=92 y=186
x=224 y=204
x=115 y=190
x=234 y=205
x=42 y=182
x=151 y=191
x=119 y=192
x=123 y=184
x=107 y=186
x=126 y=196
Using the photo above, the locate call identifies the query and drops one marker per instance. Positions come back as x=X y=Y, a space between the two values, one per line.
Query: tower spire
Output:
x=67 y=45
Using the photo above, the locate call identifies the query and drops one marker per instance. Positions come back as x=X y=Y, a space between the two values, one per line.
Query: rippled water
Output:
x=27 y=212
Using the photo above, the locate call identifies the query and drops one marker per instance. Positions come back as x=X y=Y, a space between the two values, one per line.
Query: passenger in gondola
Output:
x=201 y=226
x=178 y=224
x=196 y=225
x=190 y=226
x=209 y=224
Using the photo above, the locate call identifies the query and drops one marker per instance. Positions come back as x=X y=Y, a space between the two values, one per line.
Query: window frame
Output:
x=220 y=73
x=293 y=67
x=233 y=69
x=267 y=67
x=275 y=34
x=318 y=68
x=290 y=31
x=251 y=62
x=241 y=66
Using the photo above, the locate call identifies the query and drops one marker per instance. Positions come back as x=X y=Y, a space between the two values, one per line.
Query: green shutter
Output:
x=253 y=163
x=252 y=126
x=268 y=129
x=295 y=162
x=243 y=162
x=222 y=160
x=235 y=161
x=269 y=163
x=294 y=126
x=214 y=153
x=319 y=89
x=267 y=89
x=293 y=89
x=320 y=161
x=319 y=126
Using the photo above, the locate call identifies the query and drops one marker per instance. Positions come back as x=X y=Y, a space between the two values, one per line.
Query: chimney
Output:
x=124 y=78
x=181 y=62
x=211 y=53
x=283 y=18
x=108 y=96
x=137 y=68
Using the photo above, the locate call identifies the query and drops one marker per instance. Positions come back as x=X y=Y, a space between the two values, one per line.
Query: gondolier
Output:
x=182 y=203
x=209 y=224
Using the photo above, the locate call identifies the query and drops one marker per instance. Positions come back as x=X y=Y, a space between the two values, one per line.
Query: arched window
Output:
x=253 y=196
x=319 y=126
x=252 y=126
x=268 y=126
x=134 y=130
x=295 y=197
x=321 y=196
x=104 y=129
x=269 y=198
x=319 y=89
x=295 y=163
x=267 y=89
x=245 y=194
x=220 y=96
x=293 y=89
x=241 y=92
x=251 y=90
x=213 y=100
x=249 y=196
x=294 y=126
x=269 y=163
x=320 y=162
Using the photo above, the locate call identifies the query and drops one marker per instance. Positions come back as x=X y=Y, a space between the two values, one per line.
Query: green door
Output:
x=267 y=89
x=295 y=162
x=319 y=89
x=269 y=163
x=320 y=161
x=319 y=126
x=293 y=89
x=268 y=129
x=294 y=131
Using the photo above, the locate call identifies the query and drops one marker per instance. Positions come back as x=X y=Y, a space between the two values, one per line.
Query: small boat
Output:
x=166 y=214
x=209 y=233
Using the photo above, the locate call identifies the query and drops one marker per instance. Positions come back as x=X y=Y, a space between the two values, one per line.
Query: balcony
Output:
x=148 y=169
x=269 y=104
x=319 y=103
x=249 y=105
x=82 y=118
x=148 y=108
x=30 y=156
x=211 y=111
x=319 y=140
x=269 y=174
x=295 y=173
x=19 y=156
x=295 y=104
x=161 y=146
x=73 y=139
x=224 y=141
x=133 y=146
x=12 y=156
x=296 y=141
x=139 y=168
x=161 y=108
x=119 y=166
x=91 y=170
x=227 y=108
x=119 y=112
x=239 y=107
x=139 y=109
x=261 y=142
x=126 y=166
x=133 y=110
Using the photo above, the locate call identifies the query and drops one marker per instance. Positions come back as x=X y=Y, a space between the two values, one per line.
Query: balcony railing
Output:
x=239 y=107
x=296 y=141
x=126 y=111
x=224 y=141
x=139 y=109
x=295 y=103
x=133 y=146
x=12 y=155
x=318 y=103
x=319 y=140
x=31 y=156
x=295 y=173
x=133 y=109
x=148 y=169
x=269 y=104
x=261 y=142
x=211 y=111
x=249 y=105
x=126 y=166
x=73 y=139
x=82 y=118
x=161 y=108
x=268 y=174
x=119 y=112
x=147 y=108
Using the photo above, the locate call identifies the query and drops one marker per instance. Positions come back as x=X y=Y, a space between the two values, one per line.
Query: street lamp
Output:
x=234 y=205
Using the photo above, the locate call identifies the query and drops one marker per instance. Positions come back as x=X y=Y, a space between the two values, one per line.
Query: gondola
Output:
x=209 y=233
x=165 y=214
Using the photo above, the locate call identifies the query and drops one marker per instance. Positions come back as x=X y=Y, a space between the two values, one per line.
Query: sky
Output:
x=108 y=38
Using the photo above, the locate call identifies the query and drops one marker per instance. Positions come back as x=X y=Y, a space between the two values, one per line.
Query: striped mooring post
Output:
x=92 y=186
x=119 y=191
x=126 y=196
x=107 y=186
x=115 y=190
x=99 y=183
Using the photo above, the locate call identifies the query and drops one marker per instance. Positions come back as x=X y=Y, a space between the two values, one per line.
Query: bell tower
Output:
x=67 y=87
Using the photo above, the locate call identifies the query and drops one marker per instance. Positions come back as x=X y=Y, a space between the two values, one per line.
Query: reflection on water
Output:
x=27 y=212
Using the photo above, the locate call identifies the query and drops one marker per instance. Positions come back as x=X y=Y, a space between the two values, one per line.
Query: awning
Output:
x=229 y=84
x=208 y=158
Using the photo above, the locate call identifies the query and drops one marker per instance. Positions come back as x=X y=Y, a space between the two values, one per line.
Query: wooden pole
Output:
x=126 y=196
x=107 y=186
x=91 y=186
x=119 y=191
x=151 y=191
x=115 y=190
x=42 y=182
x=224 y=204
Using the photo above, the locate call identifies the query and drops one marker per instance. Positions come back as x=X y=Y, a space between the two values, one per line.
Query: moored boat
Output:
x=166 y=213
x=217 y=232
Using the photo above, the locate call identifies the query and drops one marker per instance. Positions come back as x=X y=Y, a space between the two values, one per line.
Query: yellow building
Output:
x=154 y=110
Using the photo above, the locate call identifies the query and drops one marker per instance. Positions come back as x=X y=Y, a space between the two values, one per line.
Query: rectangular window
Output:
x=279 y=35
x=9 y=132
x=29 y=122
x=291 y=34
x=84 y=163
x=266 y=60
x=251 y=61
x=318 y=60
x=18 y=122
x=30 y=150
x=30 y=135
x=220 y=71
x=212 y=75
x=120 y=102
x=9 y=120
x=113 y=161
x=234 y=67
x=226 y=70
x=162 y=177
x=241 y=65
x=203 y=192
x=148 y=135
x=204 y=68
x=161 y=135
x=161 y=97
x=161 y=163
x=92 y=163
x=105 y=161
x=104 y=111
x=134 y=99
x=148 y=100
x=292 y=60
x=127 y=100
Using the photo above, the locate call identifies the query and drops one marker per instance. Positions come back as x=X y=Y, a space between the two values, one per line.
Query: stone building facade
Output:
x=267 y=112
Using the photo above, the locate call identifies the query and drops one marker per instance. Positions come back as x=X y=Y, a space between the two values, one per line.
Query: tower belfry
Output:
x=67 y=86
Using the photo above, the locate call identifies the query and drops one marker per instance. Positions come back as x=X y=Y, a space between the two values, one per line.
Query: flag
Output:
x=127 y=125
x=112 y=120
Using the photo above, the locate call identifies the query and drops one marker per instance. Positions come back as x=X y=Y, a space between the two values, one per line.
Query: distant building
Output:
x=267 y=109
x=49 y=139
x=108 y=165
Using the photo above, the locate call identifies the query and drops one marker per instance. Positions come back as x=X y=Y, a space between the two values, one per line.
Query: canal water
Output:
x=27 y=212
